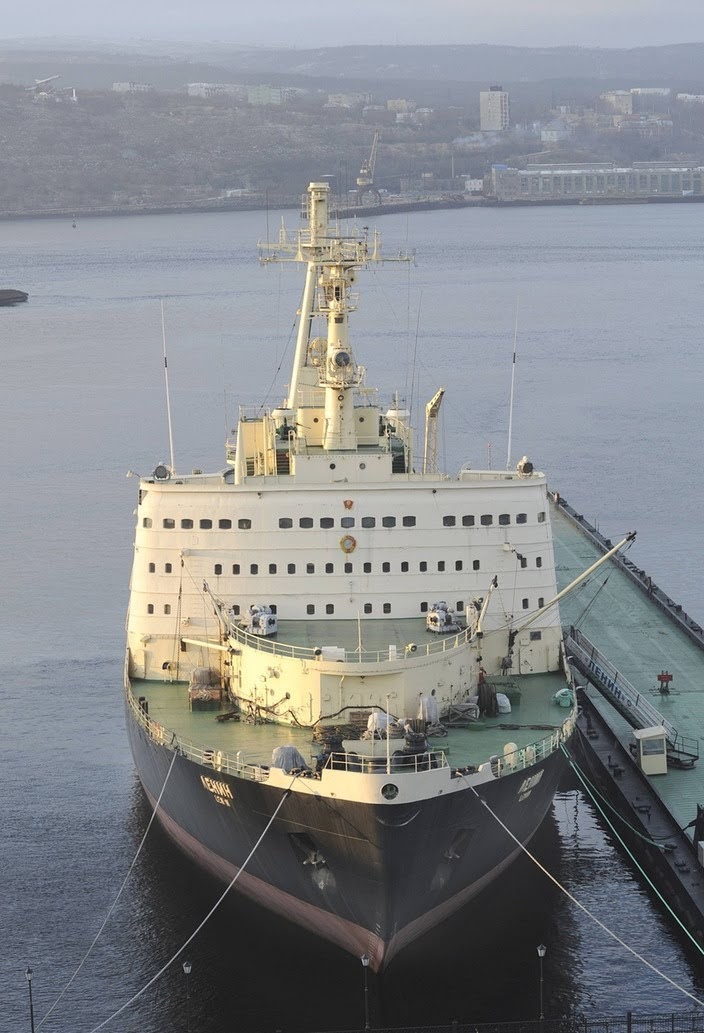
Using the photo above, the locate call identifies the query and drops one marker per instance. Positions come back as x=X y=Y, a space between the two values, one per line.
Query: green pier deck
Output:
x=629 y=625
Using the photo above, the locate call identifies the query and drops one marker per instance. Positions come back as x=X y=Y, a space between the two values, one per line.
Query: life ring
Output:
x=348 y=543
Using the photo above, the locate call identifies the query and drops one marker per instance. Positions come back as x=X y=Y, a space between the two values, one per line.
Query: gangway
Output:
x=682 y=751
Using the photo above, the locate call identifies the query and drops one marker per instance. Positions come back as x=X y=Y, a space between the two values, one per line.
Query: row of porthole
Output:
x=286 y=523
x=348 y=568
x=367 y=608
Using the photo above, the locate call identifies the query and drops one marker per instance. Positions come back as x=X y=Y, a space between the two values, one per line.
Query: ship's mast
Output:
x=326 y=364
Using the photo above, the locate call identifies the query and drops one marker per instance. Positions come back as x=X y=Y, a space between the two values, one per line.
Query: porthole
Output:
x=389 y=791
x=362 y=466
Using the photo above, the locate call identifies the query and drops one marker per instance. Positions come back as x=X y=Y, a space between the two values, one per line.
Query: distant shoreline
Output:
x=342 y=212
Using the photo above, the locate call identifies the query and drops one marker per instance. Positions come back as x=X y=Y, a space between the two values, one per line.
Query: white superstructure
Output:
x=322 y=514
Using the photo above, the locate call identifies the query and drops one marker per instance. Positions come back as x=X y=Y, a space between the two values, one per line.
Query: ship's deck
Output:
x=531 y=720
x=640 y=641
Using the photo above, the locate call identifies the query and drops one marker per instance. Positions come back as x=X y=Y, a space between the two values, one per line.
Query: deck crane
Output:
x=430 y=452
x=365 y=178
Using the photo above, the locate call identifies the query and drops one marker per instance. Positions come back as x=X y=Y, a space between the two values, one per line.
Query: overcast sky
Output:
x=312 y=23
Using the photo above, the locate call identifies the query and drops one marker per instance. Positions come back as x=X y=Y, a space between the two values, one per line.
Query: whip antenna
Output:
x=513 y=378
x=166 y=382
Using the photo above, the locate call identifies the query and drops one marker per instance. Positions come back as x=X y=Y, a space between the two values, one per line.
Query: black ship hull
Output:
x=369 y=877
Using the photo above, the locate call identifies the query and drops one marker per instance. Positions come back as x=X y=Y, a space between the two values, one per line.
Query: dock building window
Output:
x=224 y=524
x=206 y=525
x=186 y=524
x=468 y=520
x=388 y=521
x=285 y=522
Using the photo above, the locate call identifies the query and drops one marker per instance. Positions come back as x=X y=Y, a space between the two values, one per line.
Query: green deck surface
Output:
x=641 y=641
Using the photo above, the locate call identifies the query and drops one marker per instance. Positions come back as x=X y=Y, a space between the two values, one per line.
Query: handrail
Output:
x=441 y=644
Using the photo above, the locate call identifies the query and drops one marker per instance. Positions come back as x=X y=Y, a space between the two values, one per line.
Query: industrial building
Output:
x=494 y=112
x=597 y=180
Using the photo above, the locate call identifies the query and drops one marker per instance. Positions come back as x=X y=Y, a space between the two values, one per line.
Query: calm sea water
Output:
x=608 y=389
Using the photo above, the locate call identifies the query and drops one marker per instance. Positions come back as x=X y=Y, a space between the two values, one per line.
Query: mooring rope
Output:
x=114 y=903
x=582 y=907
x=198 y=928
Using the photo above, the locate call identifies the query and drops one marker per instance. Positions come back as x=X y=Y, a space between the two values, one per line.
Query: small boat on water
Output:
x=12 y=297
x=346 y=685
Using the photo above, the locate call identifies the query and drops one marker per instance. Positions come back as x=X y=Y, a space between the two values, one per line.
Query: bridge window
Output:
x=272 y=568
x=224 y=524
x=235 y=568
x=422 y=566
x=449 y=521
x=475 y=564
x=347 y=522
x=167 y=608
x=535 y=636
x=244 y=524
x=541 y=602
x=169 y=523
x=305 y=522
x=423 y=607
x=310 y=609
x=524 y=604
x=459 y=605
x=217 y=569
x=327 y=522
x=310 y=568
x=521 y=518
x=487 y=520
x=329 y=568
x=541 y=518
x=167 y=568
x=285 y=522
x=468 y=520
x=254 y=568
x=236 y=610
x=146 y=521
x=291 y=568
x=367 y=568
x=504 y=519
x=409 y=521
x=348 y=568
x=150 y=607
x=329 y=608
x=368 y=521
x=388 y=521
x=186 y=524
x=386 y=568
x=152 y=568
x=387 y=607
x=367 y=607
x=538 y=561
x=404 y=567
x=441 y=565
x=206 y=525
x=458 y=564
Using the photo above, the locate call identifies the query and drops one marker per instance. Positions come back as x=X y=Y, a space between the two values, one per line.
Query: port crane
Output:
x=42 y=85
x=365 y=178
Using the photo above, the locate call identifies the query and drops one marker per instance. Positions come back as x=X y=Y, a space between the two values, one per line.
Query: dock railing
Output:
x=673 y=1022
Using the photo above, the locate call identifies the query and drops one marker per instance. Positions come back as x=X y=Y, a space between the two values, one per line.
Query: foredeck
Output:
x=640 y=641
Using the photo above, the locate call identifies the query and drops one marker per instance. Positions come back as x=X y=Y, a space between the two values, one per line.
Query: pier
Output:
x=640 y=658
x=674 y=1022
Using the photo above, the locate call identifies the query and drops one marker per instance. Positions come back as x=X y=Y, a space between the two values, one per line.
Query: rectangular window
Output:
x=459 y=605
x=487 y=520
x=327 y=522
x=186 y=524
x=167 y=568
x=347 y=522
x=387 y=607
x=224 y=525
x=368 y=521
x=272 y=568
x=475 y=564
x=169 y=523
x=329 y=608
x=423 y=607
x=535 y=636
x=310 y=609
x=521 y=518
x=449 y=521
x=504 y=519
x=541 y=602
x=409 y=521
x=235 y=610
x=386 y=568
x=441 y=565
x=348 y=568
x=285 y=522
x=244 y=524
x=217 y=569
x=150 y=607
x=254 y=568
x=291 y=568
x=524 y=604
x=152 y=568
x=146 y=521
x=305 y=522
x=458 y=564
x=541 y=518
x=272 y=607
x=388 y=521
x=367 y=607
x=367 y=568
x=329 y=568
x=167 y=608
x=310 y=568
x=422 y=566
x=235 y=568
x=404 y=567
x=468 y=520
x=538 y=561
x=206 y=525
x=524 y=562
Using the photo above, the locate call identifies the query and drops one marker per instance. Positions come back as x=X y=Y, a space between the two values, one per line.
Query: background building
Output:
x=494 y=112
